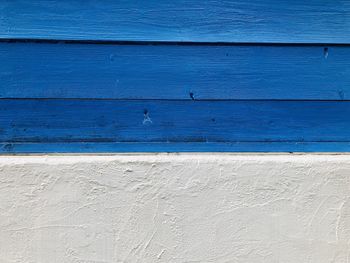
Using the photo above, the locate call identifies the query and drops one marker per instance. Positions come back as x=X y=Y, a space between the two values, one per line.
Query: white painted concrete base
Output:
x=175 y=208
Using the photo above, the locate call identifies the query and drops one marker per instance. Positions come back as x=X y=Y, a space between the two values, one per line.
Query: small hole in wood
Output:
x=325 y=52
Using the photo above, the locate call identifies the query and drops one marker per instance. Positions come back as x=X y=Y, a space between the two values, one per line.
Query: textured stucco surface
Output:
x=175 y=208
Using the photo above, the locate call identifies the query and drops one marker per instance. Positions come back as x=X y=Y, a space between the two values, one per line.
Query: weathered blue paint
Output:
x=187 y=75
x=84 y=147
x=281 y=21
x=166 y=123
x=33 y=70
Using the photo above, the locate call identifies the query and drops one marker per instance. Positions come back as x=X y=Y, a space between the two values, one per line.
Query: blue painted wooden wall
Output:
x=186 y=75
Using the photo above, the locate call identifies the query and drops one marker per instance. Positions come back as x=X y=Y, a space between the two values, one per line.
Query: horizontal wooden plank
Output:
x=295 y=147
x=46 y=70
x=102 y=121
x=285 y=21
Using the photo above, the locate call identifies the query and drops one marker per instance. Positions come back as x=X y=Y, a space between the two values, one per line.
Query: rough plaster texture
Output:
x=175 y=208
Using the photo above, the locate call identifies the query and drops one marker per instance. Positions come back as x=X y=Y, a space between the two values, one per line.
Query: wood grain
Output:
x=277 y=21
x=172 y=122
x=46 y=70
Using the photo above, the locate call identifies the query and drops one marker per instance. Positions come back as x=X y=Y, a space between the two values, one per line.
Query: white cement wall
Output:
x=175 y=208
